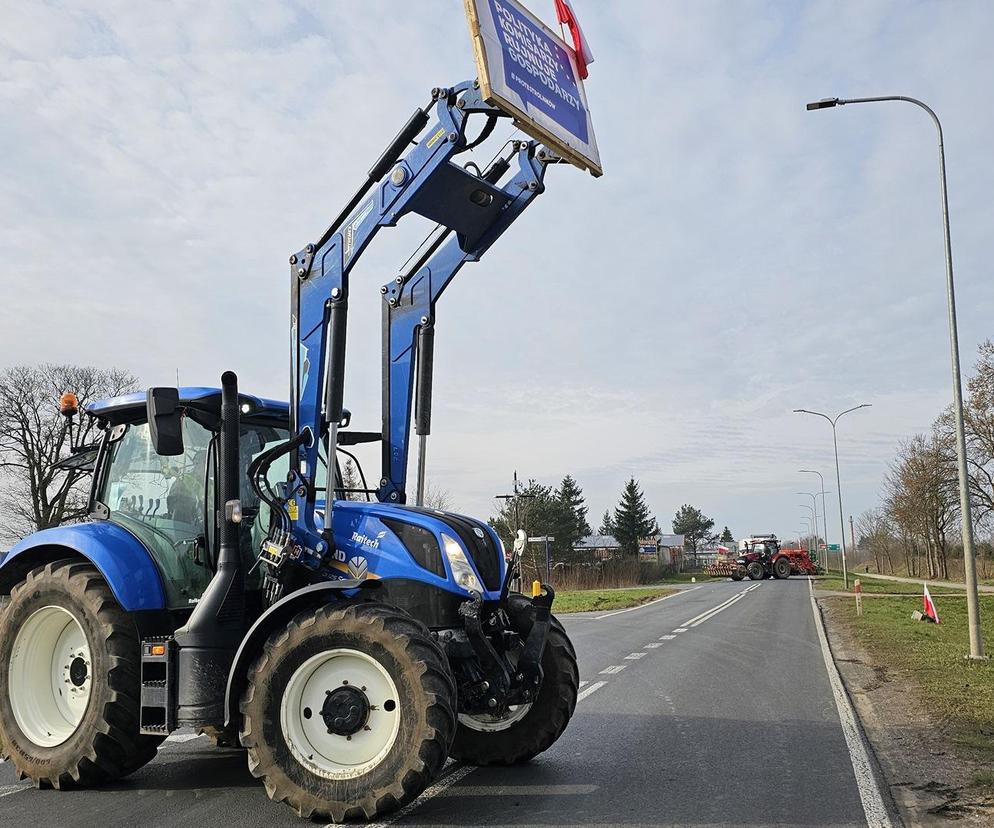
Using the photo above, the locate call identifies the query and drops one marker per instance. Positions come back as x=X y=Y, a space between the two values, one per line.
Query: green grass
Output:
x=588 y=600
x=958 y=692
x=875 y=585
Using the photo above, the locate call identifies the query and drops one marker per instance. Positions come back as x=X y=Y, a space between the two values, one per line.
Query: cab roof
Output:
x=131 y=408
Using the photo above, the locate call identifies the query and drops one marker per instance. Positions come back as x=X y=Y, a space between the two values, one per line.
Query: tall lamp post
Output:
x=966 y=518
x=824 y=515
x=838 y=478
x=814 y=509
x=814 y=522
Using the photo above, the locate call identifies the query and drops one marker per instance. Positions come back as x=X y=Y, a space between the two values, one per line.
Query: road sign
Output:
x=528 y=71
x=834 y=547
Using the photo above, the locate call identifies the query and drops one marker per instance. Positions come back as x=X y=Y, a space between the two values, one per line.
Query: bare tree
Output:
x=877 y=533
x=438 y=498
x=34 y=437
x=922 y=500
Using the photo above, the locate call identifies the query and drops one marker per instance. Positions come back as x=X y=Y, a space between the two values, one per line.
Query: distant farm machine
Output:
x=759 y=557
x=227 y=583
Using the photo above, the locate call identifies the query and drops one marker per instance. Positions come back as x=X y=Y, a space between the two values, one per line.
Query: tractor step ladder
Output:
x=158 y=686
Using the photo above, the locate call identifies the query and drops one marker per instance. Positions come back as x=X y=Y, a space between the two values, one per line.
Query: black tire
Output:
x=427 y=696
x=548 y=716
x=739 y=573
x=106 y=744
x=781 y=568
x=755 y=571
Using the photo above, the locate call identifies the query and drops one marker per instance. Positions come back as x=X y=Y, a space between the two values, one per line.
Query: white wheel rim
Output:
x=330 y=755
x=491 y=724
x=50 y=677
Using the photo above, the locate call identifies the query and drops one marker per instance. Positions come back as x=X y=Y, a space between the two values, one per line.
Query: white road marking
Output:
x=7 y=790
x=869 y=793
x=522 y=790
x=649 y=603
x=680 y=630
x=724 y=603
x=447 y=781
x=715 y=611
x=614 y=668
x=666 y=637
x=593 y=688
x=634 y=656
x=652 y=646
x=450 y=779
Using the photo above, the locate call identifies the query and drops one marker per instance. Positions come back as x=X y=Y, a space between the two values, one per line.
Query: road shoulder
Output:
x=928 y=777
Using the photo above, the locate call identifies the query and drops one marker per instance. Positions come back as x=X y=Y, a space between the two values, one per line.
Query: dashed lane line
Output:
x=593 y=688
x=680 y=630
x=866 y=782
x=614 y=668
x=634 y=656
x=648 y=603
x=666 y=637
x=653 y=645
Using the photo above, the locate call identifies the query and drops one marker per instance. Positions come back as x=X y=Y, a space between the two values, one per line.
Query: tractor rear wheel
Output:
x=781 y=567
x=755 y=571
x=527 y=729
x=349 y=711
x=69 y=707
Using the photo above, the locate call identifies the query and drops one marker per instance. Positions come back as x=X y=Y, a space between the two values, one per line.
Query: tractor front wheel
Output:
x=781 y=567
x=349 y=712
x=739 y=573
x=755 y=571
x=527 y=729
x=69 y=710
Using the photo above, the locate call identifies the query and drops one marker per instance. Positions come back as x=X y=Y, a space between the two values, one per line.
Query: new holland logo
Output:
x=365 y=540
x=358 y=567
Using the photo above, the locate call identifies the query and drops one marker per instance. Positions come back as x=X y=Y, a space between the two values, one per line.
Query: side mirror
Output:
x=165 y=421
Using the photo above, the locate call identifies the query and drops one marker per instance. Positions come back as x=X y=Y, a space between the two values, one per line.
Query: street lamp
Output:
x=824 y=515
x=966 y=518
x=814 y=509
x=838 y=477
x=814 y=522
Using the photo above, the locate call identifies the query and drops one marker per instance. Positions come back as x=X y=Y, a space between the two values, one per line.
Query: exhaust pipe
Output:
x=208 y=641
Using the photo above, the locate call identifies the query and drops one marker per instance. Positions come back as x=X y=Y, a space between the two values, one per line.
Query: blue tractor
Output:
x=227 y=582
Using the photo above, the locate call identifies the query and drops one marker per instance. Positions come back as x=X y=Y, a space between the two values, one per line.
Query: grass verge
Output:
x=959 y=693
x=589 y=600
x=874 y=586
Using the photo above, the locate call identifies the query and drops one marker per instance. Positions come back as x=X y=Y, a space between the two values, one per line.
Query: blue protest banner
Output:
x=527 y=70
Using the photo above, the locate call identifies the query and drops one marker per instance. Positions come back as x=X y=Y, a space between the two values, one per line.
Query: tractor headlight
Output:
x=461 y=569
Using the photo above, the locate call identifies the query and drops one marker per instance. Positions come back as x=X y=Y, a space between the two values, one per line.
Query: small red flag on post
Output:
x=584 y=57
x=929 y=607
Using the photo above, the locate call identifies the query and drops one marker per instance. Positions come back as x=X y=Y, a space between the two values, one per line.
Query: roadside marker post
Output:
x=858 y=587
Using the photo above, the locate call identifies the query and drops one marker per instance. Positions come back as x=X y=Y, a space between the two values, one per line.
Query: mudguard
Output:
x=121 y=558
x=281 y=612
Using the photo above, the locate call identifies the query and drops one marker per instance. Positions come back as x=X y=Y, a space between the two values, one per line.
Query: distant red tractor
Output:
x=761 y=556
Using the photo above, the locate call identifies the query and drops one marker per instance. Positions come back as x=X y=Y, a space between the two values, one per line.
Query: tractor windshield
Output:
x=160 y=500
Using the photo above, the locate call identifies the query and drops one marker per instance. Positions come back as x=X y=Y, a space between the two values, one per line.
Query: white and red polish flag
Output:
x=584 y=57
x=929 y=607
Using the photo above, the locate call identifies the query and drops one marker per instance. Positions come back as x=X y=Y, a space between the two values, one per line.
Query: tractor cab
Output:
x=170 y=502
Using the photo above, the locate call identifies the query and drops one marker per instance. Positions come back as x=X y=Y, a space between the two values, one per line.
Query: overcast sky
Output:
x=740 y=257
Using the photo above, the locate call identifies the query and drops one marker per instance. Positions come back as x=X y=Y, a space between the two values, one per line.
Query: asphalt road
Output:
x=686 y=717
